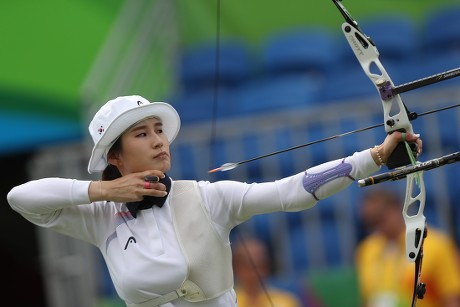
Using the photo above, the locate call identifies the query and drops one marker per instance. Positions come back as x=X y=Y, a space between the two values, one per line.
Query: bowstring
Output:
x=213 y=138
x=216 y=82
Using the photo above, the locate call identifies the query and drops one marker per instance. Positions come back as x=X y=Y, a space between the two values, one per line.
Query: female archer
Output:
x=165 y=241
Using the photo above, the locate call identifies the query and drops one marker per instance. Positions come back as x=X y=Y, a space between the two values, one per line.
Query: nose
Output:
x=157 y=141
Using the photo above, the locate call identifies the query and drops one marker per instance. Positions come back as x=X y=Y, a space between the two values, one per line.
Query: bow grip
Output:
x=400 y=156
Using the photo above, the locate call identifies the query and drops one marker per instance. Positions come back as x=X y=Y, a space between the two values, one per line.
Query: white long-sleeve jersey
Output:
x=143 y=254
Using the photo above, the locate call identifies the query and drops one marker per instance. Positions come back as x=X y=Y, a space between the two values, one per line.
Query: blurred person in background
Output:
x=252 y=267
x=386 y=277
x=166 y=242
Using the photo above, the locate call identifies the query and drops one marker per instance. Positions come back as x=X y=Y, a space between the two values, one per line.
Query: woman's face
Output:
x=144 y=147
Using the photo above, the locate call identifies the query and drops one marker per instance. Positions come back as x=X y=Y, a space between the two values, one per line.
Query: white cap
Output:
x=117 y=115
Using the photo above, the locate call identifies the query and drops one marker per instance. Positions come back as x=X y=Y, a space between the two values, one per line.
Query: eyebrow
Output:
x=144 y=126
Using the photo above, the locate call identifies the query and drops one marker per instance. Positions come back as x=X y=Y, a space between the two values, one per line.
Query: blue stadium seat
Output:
x=298 y=245
x=449 y=124
x=326 y=208
x=194 y=107
x=273 y=94
x=441 y=32
x=395 y=36
x=183 y=162
x=331 y=240
x=251 y=150
x=431 y=64
x=197 y=65
x=285 y=160
x=315 y=153
x=299 y=51
x=205 y=105
x=348 y=83
x=295 y=219
x=219 y=150
x=452 y=173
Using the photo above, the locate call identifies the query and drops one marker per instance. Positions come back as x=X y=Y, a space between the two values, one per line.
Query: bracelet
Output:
x=379 y=157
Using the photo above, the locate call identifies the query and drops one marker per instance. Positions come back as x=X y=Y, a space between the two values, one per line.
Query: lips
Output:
x=161 y=155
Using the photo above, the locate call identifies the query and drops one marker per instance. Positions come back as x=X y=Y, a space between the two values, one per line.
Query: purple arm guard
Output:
x=312 y=182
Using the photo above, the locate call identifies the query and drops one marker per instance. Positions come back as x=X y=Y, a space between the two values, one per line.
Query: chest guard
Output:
x=208 y=257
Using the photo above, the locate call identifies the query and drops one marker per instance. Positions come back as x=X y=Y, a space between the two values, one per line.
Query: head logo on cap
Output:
x=117 y=115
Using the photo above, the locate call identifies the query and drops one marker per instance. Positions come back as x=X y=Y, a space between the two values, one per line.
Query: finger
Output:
x=157 y=186
x=411 y=137
x=154 y=186
x=420 y=146
x=155 y=192
x=415 y=137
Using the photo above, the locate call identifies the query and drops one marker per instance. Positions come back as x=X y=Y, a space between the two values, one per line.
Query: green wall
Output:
x=48 y=46
x=254 y=20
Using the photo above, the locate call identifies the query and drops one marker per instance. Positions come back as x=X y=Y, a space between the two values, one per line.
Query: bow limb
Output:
x=415 y=223
x=416 y=231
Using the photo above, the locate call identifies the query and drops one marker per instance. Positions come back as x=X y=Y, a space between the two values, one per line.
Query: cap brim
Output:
x=167 y=114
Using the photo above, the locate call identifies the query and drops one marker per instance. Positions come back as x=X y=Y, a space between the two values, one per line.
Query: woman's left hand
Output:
x=385 y=149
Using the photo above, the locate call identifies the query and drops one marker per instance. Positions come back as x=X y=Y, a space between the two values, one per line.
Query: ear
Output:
x=112 y=158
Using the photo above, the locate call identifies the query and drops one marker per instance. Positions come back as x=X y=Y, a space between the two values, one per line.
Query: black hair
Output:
x=111 y=172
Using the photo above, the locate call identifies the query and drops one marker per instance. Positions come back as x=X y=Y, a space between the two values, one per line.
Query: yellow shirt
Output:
x=278 y=297
x=386 y=277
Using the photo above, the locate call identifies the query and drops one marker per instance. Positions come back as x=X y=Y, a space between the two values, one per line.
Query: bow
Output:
x=396 y=118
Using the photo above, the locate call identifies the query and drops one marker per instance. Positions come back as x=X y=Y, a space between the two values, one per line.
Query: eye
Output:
x=141 y=134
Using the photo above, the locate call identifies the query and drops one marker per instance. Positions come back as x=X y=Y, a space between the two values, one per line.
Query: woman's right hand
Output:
x=128 y=188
